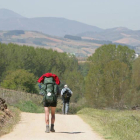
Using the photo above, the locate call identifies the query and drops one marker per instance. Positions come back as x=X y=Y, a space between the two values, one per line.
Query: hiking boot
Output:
x=47 y=129
x=52 y=128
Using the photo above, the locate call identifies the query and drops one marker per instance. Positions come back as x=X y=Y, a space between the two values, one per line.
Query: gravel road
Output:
x=67 y=127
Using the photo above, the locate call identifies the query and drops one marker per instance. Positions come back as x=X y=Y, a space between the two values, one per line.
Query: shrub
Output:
x=20 y=80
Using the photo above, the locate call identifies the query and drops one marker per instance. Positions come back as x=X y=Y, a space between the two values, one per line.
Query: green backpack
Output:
x=49 y=90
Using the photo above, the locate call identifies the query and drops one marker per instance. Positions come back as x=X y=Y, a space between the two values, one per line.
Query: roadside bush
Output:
x=20 y=80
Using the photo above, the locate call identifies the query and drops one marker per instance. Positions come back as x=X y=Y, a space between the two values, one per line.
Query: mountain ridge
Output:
x=59 y=27
x=48 y=25
x=5 y=13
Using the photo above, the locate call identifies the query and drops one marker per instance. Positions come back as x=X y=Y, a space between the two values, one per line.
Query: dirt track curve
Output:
x=67 y=127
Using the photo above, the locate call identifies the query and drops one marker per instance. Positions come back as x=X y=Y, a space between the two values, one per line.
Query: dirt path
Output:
x=68 y=127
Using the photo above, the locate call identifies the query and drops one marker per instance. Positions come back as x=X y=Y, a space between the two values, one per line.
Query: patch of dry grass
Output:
x=9 y=122
x=13 y=97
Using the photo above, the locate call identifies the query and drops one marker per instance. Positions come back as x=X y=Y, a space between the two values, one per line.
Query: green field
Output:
x=113 y=124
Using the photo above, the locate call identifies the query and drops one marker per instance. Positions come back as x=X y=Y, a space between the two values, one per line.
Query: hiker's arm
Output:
x=62 y=91
x=39 y=85
x=70 y=91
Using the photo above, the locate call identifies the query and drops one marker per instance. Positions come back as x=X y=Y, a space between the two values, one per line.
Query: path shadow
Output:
x=71 y=132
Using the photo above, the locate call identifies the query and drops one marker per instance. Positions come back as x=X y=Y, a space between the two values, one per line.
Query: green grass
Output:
x=28 y=102
x=29 y=106
x=14 y=97
x=113 y=124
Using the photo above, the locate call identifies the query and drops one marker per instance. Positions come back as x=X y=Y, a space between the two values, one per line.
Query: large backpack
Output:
x=49 y=90
x=66 y=95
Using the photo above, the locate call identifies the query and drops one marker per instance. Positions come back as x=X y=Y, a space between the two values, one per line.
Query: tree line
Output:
x=109 y=78
x=21 y=66
x=113 y=77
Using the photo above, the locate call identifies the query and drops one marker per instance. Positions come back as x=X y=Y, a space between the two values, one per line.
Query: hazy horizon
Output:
x=107 y=14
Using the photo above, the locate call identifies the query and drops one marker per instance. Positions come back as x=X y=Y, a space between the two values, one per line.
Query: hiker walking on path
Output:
x=66 y=94
x=50 y=90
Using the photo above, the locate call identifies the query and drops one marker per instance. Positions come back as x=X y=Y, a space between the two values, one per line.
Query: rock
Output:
x=4 y=112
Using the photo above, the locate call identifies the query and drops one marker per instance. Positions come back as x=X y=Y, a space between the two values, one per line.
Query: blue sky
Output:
x=101 y=13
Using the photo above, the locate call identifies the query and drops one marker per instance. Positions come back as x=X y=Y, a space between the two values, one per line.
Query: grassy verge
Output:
x=28 y=102
x=10 y=121
x=13 y=97
x=29 y=106
x=113 y=124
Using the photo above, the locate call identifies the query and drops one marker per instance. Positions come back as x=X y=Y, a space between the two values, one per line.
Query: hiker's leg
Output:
x=53 y=115
x=47 y=119
x=46 y=115
x=67 y=108
x=52 y=119
x=63 y=109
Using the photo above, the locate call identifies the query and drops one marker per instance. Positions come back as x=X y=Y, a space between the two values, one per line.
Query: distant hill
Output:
x=9 y=20
x=49 y=32
x=5 y=13
x=118 y=35
x=82 y=47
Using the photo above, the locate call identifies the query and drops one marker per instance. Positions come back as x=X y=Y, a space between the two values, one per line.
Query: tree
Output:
x=20 y=80
x=75 y=82
x=73 y=37
x=134 y=98
x=117 y=81
x=136 y=74
x=94 y=87
x=107 y=53
x=109 y=76
x=39 y=61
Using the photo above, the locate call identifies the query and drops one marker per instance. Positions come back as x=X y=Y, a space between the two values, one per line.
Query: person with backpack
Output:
x=49 y=89
x=66 y=94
